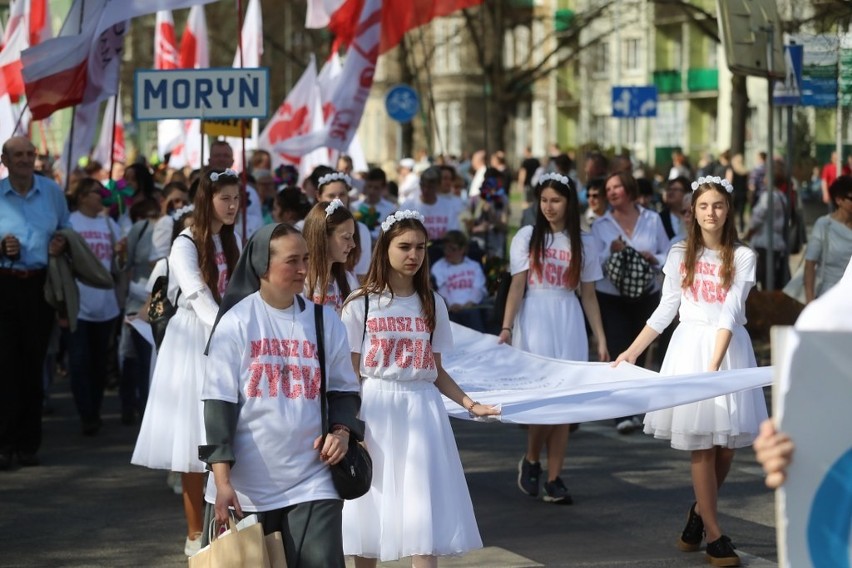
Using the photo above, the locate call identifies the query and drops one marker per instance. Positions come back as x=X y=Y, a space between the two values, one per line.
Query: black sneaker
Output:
x=693 y=533
x=528 y=476
x=556 y=492
x=721 y=552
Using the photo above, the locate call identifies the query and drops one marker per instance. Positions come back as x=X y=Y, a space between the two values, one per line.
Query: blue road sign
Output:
x=633 y=102
x=402 y=103
x=789 y=91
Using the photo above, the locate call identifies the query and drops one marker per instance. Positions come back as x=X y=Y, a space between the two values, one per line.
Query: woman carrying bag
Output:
x=262 y=399
x=830 y=245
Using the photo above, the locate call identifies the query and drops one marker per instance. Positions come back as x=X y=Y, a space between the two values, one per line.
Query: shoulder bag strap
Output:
x=320 y=328
x=366 y=311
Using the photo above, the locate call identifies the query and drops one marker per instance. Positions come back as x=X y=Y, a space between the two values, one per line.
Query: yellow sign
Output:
x=229 y=127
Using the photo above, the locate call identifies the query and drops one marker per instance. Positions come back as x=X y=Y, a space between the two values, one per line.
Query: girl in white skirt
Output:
x=201 y=259
x=330 y=233
x=551 y=262
x=707 y=281
x=419 y=504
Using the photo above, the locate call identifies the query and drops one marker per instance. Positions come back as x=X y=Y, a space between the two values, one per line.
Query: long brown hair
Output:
x=203 y=235
x=542 y=235
x=377 y=280
x=318 y=227
x=695 y=240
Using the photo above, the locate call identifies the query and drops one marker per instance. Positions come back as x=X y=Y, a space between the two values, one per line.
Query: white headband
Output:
x=214 y=176
x=332 y=207
x=555 y=177
x=183 y=211
x=399 y=216
x=713 y=179
x=335 y=176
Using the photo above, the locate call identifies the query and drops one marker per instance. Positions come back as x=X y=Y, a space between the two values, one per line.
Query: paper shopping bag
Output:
x=234 y=548
x=275 y=550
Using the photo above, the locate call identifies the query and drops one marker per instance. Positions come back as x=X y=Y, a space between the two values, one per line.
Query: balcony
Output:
x=702 y=80
x=667 y=81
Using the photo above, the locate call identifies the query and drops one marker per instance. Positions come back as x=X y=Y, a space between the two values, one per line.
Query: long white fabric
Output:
x=538 y=390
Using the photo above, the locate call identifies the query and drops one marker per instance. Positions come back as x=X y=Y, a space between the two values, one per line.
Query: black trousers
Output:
x=623 y=319
x=26 y=321
x=312 y=532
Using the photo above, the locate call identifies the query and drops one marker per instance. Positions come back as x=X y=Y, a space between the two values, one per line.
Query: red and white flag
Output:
x=352 y=90
x=110 y=146
x=294 y=116
x=82 y=64
x=248 y=54
x=28 y=25
x=194 y=54
x=169 y=132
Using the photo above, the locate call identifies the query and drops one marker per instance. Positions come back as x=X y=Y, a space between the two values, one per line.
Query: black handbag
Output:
x=353 y=474
x=161 y=309
x=629 y=272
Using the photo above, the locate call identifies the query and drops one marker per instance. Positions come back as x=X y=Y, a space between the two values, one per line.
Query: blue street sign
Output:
x=402 y=103
x=633 y=102
x=789 y=91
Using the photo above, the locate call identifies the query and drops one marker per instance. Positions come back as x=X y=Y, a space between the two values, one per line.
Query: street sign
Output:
x=745 y=28
x=227 y=127
x=789 y=91
x=201 y=93
x=634 y=102
x=402 y=103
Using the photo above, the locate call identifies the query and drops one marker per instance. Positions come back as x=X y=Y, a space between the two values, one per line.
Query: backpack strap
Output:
x=320 y=328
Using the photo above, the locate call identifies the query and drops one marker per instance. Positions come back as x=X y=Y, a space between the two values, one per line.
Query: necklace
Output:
x=283 y=312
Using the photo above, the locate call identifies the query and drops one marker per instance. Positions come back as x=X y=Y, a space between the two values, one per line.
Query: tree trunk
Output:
x=739 y=113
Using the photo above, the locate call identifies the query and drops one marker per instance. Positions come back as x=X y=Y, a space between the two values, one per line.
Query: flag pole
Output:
x=21 y=117
x=116 y=102
x=243 y=177
x=73 y=113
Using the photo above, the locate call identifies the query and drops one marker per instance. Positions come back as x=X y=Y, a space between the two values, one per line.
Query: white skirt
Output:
x=173 y=425
x=550 y=323
x=731 y=420
x=419 y=503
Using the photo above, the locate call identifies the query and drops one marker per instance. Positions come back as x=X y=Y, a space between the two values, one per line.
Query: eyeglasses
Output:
x=594 y=196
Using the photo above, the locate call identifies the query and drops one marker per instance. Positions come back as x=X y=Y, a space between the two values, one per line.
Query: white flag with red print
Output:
x=294 y=116
x=194 y=54
x=352 y=90
x=28 y=25
x=110 y=147
x=82 y=64
x=169 y=132
x=248 y=54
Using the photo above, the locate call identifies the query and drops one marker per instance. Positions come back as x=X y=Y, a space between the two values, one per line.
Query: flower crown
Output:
x=713 y=179
x=399 y=216
x=178 y=213
x=332 y=207
x=214 y=176
x=335 y=176
x=564 y=180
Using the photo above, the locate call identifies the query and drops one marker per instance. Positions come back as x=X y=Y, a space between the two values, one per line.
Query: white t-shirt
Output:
x=333 y=296
x=101 y=234
x=459 y=283
x=557 y=259
x=380 y=211
x=706 y=301
x=396 y=346
x=440 y=217
x=265 y=360
x=185 y=275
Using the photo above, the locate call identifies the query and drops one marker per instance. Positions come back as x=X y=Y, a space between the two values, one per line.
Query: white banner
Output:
x=539 y=390
x=812 y=399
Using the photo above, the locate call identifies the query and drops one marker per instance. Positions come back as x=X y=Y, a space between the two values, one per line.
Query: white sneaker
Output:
x=173 y=481
x=625 y=426
x=192 y=545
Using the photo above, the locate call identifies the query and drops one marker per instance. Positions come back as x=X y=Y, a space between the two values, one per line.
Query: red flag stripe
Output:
x=63 y=89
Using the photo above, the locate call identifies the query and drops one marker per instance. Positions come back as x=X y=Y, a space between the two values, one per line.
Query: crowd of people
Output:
x=608 y=261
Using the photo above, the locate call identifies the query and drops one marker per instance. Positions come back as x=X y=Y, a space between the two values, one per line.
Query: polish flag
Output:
x=294 y=117
x=398 y=17
x=82 y=64
x=169 y=132
x=194 y=54
x=28 y=25
x=248 y=55
x=112 y=131
x=327 y=80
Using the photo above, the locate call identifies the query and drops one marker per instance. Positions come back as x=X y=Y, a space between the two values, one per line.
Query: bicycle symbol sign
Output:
x=402 y=103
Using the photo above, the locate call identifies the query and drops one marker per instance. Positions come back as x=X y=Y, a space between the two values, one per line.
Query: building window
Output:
x=600 y=58
x=522 y=46
x=538 y=43
x=454 y=45
x=632 y=54
x=454 y=130
x=539 y=130
x=508 y=49
x=439 y=37
x=600 y=130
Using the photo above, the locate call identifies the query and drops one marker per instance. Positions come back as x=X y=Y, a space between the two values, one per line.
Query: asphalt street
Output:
x=87 y=506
